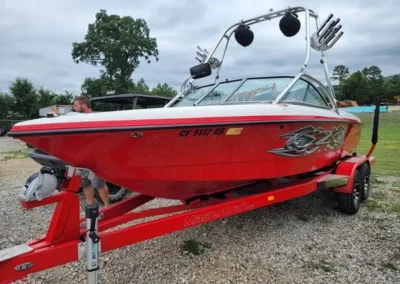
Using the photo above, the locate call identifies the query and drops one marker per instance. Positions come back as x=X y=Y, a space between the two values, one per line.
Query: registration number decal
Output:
x=199 y=132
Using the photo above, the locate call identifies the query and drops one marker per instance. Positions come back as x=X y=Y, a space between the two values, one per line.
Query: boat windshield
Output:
x=220 y=93
x=260 y=89
x=192 y=96
x=215 y=94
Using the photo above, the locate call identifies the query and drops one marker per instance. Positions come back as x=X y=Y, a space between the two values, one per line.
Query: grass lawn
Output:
x=387 y=150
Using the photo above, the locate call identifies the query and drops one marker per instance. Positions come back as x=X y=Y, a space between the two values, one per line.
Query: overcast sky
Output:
x=37 y=35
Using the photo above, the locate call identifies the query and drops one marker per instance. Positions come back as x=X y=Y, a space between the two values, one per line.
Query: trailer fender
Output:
x=348 y=168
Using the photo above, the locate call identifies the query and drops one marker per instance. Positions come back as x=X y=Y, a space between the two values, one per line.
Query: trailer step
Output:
x=332 y=180
x=9 y=253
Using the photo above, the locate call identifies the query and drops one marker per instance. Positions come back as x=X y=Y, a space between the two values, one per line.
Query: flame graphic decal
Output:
x=307 y=140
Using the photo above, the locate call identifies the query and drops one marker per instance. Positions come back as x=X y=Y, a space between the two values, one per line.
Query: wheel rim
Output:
x=356 y=190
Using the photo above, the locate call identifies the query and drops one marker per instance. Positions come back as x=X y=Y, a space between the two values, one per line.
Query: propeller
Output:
x=324 y=39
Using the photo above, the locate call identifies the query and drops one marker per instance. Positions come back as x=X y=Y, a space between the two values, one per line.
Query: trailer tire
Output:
x=350 y=203
x=116 y=193
x=365 y=181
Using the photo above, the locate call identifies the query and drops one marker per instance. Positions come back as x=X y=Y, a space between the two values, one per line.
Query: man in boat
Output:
x=82 y=105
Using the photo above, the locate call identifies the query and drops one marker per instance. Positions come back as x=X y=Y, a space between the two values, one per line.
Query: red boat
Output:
x=283 y=134
x=213 y=138
x=203 y=149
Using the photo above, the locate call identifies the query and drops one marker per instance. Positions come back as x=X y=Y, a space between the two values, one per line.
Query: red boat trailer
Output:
x=67 y=240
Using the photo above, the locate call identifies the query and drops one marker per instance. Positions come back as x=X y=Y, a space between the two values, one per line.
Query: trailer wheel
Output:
x=116 y=193
x=365 y=181
x=350 y=203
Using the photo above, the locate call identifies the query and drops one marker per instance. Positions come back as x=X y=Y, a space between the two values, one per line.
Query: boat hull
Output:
x=183 y=161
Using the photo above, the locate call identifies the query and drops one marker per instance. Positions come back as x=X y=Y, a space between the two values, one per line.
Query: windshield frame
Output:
x=308 y=79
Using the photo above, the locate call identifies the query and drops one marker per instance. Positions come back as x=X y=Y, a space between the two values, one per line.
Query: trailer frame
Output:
x=68 y=239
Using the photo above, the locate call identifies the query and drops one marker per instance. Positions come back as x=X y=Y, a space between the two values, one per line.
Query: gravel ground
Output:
x=300 y=241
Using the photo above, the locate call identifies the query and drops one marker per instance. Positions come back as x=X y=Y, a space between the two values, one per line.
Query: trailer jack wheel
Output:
x=365 y=181
x=350 y=203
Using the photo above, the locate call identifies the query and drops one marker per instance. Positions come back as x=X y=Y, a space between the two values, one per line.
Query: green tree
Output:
x=95 y=87
x=391 y=86
x=340 y=72
x=356 y=88
x=117 y=44
x=45 y=97
x=6 y=104
x=373 y=75
x=64 y=99
x=141 y=87
x=25 y=97
x=164 y=90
